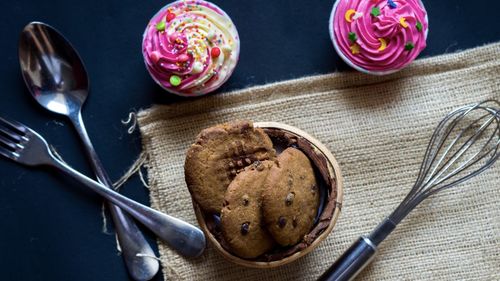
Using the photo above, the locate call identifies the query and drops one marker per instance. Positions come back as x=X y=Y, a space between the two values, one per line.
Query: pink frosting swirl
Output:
x=190 y=47
x=379 y=36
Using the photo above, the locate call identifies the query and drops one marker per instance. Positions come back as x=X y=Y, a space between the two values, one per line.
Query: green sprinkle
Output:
x=353 y=37
x=409 y=46
x=375 y=11
x=175 y=80
x=419 y=26
x=160 y=26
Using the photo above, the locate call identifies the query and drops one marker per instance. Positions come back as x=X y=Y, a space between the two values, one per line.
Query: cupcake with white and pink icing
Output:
x=378 y=36
x=190 y=47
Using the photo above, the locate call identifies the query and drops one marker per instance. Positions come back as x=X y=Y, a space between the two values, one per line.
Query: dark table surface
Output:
x=50 y=228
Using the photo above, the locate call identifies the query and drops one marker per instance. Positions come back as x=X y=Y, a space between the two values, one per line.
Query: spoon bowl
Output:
x=43 y=50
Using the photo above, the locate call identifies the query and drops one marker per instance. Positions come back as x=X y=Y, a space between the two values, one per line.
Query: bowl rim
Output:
x=333 y=169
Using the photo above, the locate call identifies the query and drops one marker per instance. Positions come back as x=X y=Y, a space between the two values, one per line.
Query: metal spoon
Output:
x=57 y=79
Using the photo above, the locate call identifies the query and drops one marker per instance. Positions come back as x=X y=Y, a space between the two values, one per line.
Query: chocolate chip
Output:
x=244 y=228
x=245 y=200
x=289 y=198
x=294 y=222
x=282 y=222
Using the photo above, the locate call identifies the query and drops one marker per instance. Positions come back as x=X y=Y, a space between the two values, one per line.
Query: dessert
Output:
x=218 y=155
x=378 y=36
x=241 y=216
x=190 y=47
x=290 y=197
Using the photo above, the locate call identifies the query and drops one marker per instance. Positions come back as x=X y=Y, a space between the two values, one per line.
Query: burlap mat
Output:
x=378 y=128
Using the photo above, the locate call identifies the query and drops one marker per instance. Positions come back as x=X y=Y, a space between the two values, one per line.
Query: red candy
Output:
x=215 y=52
x=170 y=16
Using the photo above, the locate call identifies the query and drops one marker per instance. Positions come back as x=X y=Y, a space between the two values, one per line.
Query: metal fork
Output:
x=25 y=146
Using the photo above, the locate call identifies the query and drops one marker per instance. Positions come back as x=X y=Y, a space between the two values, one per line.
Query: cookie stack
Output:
x=264 y=200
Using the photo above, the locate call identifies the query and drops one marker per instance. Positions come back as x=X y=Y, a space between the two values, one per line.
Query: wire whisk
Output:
x=465 y=143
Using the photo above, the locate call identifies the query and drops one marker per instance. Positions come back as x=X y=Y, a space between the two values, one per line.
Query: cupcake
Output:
x=190 y=47
x=378 y=36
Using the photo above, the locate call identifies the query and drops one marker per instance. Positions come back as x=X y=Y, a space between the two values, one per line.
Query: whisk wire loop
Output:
x=461 y=147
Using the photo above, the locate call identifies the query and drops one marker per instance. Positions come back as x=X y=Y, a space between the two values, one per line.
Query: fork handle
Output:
x=181 y=236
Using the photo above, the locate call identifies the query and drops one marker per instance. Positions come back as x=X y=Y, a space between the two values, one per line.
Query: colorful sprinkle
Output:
x=409 y=46
x=183 y=58
x=352 y=37
x=357 y=15
x=348 y=15
x=375 y=11
x=175 y=80
x=160 y=26
x=355 y=49
x=170 y=16
x=392 y=5
x=419 y=26
x=403 y=22
x=215 y=52
x=383 y=44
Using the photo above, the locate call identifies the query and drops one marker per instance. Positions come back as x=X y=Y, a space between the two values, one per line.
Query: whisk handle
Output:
x=359 y=255
x=352 y=261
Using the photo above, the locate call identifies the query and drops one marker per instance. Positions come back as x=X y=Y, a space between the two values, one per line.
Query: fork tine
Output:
x=7 y=143
x=10 y=134
x=13 y=125
x=9 y=154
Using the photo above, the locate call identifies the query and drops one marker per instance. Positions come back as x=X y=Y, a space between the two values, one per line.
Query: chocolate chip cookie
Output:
x=241 y=216
x=217 y=156
x=290 y=197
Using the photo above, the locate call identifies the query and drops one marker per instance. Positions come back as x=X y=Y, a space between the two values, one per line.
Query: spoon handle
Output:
x=131 y=239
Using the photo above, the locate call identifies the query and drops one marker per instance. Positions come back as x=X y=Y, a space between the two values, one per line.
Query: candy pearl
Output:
x=175 y=80
x=215 y=52
x=197 y=68
x=211 y=34
x=227 y=49
x=170 y=16
x=155 y=56
x=183 y=58
x=174 y=36
x=160 y=26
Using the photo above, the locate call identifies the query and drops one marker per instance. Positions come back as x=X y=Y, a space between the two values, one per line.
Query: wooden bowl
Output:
x=331 y=193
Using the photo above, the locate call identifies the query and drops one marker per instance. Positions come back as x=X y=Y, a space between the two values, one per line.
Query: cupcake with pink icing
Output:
x=378 y=36
x=190 y=47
